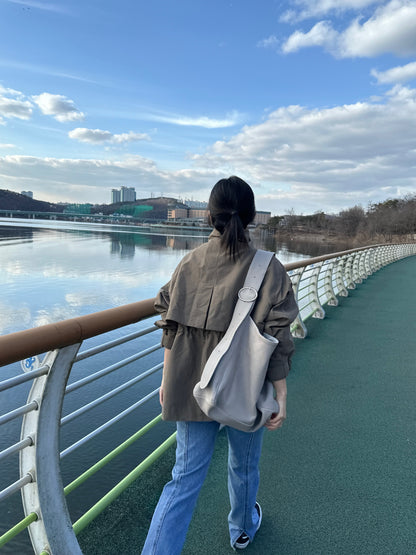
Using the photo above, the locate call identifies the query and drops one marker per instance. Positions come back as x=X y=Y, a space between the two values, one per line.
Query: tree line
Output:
x=385 y=220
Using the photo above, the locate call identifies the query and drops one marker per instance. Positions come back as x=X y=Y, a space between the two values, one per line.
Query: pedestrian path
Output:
x=340 y=476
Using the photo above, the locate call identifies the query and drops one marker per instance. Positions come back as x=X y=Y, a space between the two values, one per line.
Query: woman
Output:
x=196 y=307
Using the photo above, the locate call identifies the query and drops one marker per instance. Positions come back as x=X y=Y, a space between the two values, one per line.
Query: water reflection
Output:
x=53 y=274
x=124 y=244
x=15 y=233
x=304 y=246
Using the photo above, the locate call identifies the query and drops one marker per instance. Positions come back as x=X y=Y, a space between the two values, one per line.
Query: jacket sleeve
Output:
x=168 y=327
x=281 y=315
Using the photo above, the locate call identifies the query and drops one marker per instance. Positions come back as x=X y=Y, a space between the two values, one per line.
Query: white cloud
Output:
x=318 y=8
x=12 y=107
x=321 y=34
x=7 y=145
x=98 y=136
x=391 y=29
x=399 y=74
x=58 y=106
x=270 y=42
x=201 y=121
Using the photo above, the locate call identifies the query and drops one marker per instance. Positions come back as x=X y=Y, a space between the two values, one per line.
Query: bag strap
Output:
x=249 y=292
x=246 y=299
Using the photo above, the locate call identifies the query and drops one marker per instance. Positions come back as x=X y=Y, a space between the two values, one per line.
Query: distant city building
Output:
x=198 y=213
x=125 y=194
x=262 y=217
x=115 y=196
x=177 y=213
x=27 y=194
x=128 y=194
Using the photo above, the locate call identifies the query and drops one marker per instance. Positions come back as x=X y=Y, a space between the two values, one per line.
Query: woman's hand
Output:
x=276 y=420
x=165 y=363
x=161 y=394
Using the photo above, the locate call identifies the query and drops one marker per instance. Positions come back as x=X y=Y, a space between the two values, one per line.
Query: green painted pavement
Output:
x=340 y=477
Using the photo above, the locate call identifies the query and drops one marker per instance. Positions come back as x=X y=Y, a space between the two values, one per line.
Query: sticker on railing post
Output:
x=28 y=364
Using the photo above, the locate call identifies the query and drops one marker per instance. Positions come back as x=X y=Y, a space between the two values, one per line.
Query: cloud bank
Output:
x=329 y=158
x=98 y=136
x=390 y=29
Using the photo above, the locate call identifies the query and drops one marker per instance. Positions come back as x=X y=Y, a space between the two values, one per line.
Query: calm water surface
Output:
x=50 y=271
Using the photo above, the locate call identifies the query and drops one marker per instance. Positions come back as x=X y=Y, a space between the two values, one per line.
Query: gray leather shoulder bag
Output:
x=233 y=389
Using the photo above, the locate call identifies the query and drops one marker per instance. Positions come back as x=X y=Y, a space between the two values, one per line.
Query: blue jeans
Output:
x=195 y=445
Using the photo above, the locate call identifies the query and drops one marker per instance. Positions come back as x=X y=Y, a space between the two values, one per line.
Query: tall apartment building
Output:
x=128 y=194
x=115 y=196
x=125 y=194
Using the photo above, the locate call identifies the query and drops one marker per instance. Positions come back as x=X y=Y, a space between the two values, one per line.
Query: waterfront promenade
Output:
x=339 y=478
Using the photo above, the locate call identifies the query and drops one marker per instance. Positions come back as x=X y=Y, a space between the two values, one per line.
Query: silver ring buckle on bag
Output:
x=247 y=294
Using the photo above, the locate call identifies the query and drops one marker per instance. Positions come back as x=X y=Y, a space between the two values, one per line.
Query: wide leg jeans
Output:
x=195 y=446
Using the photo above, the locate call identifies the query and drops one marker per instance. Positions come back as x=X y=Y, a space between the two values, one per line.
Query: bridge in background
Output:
x=338 y=478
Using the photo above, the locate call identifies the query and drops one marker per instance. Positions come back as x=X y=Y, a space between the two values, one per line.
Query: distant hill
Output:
x=15 y=201
x=153 y=208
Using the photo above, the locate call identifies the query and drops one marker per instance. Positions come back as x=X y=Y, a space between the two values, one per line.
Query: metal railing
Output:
x=317 y=282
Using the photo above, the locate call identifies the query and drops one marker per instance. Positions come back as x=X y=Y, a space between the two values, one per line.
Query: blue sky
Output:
x=313 y=102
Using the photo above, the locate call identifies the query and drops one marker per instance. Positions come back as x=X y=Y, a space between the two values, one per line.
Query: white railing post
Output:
x=361 y=265
x=298 y=328
x=331 y=297
x=53 y=530
x=317 y=309
x=356 y=276
x=348 y=273
x=339 y=277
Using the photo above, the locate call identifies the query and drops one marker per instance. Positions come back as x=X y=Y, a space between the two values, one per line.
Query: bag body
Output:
x=233 y=389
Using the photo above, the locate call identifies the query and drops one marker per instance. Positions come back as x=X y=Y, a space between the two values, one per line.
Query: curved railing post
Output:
x=298 y=327
x=348 y=272
x=331 y=297
x=362 y=269
x=317 y=309
x=339 y=277
x=52 y=532
x=355 y=269
x=372 y=260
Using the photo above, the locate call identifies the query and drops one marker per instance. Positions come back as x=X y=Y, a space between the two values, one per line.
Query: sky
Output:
x=312 y=102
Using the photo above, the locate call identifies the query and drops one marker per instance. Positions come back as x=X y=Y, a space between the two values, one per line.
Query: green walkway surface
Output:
x=340 y=476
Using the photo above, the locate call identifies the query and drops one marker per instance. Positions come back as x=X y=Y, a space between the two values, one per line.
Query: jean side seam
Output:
x=177 y=484
x=250 y=445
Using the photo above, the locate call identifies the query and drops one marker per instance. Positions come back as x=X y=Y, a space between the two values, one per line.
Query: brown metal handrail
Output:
x=22 y=344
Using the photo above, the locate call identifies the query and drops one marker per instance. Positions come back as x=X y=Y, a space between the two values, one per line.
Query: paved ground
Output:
x=340 y=477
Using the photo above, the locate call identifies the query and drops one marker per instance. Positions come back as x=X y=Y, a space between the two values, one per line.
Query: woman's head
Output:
x=231 y=208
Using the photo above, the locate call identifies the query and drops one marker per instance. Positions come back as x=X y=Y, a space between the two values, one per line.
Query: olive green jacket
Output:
x=196 y=307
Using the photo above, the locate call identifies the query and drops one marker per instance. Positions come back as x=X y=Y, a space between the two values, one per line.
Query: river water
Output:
x=50 y=271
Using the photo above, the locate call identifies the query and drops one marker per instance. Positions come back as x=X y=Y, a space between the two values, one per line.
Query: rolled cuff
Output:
x=278 y=370
x=168 y=338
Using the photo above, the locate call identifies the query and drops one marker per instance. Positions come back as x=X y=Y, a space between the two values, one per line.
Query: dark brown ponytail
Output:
x=231 y=206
